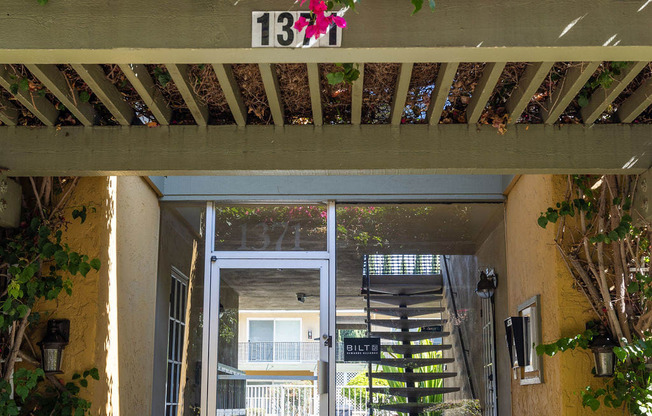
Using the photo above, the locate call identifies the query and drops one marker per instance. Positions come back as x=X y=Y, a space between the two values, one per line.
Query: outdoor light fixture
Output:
x=603 y=354
x=487 y=284
x=53 y=344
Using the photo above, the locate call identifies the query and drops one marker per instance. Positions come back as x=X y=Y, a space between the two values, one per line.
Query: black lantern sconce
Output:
x=53 y=344
x=603 y=353
x=487 y=284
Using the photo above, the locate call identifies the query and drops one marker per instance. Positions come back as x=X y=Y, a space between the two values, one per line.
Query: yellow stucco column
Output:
x=534 y=266
x=112 y=311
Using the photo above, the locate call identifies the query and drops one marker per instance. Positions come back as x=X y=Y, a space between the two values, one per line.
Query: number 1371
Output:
x=276 y=30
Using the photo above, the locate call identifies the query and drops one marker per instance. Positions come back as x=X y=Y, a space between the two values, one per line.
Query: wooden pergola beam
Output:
x=356 y=97
x=400 y=92
x=142 y=82
x=575 y=79
x=527 y=86
x=37 y=105
x=483 y=90
x=636 y=103
x=232 y=92
x=61 y=88
x=8 y=112
x=603 y=97
x=94 y=77
x=273 y=92
x=338 y=149
x=380 y=31
x=439 y=95
x=179 y=74
x=315 y=94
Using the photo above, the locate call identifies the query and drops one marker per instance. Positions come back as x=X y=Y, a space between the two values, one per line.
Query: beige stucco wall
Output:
x=535 y=267
x=112 y=311
x=137 y=263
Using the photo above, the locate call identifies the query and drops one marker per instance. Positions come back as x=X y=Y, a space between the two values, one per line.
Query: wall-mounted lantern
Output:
x=603 y=354
x=487 y=284
x=53 y=344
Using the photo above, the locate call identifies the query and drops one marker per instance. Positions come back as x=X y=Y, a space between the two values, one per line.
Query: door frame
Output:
x=217 y=260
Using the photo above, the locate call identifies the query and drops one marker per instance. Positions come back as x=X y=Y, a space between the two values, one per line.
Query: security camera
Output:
x=301 y=297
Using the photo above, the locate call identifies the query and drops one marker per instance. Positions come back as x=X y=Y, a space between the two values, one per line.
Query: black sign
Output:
x=361 y=349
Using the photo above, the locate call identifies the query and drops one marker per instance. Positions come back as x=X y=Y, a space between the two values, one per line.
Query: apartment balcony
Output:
x=278 y=352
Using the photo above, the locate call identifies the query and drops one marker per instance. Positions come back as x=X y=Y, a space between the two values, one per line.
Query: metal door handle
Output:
x=323 y=377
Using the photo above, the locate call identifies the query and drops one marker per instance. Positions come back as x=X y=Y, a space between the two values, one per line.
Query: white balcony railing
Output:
x=267 y=352
x=303 y=400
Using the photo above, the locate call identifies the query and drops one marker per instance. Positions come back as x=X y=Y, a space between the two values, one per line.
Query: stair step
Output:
x=406 y=312
x=412 y=377
x=415 y=362
x=404 y=300
x=414 y=391
x=405 y=284
x=413 y=349
x=408 y=408
x=410 y=336
x=408 y=323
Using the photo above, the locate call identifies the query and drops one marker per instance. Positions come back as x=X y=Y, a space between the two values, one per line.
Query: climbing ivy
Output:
x=36 y=264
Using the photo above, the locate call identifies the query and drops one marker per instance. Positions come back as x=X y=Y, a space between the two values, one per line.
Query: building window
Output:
x=176 y=335
x=274 y=340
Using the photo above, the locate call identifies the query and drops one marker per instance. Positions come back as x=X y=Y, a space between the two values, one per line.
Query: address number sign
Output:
x=276 y=30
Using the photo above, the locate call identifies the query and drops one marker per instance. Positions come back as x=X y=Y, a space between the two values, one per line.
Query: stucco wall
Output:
x=86 y=307
x=112 y=311
x=535 y=267
x=137 y=222
x=464 y=274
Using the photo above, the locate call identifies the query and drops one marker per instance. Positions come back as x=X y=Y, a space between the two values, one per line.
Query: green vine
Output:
x=604 y=80
x=36 y=265
x=609 y=257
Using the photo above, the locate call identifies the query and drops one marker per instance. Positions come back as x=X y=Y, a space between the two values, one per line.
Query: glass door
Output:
x=269 y=337
x=270 y=319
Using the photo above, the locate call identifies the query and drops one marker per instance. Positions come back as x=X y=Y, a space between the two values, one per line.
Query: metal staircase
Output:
x=402 y=300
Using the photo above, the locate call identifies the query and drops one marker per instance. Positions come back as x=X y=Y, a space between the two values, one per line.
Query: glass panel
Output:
x=270 y=228
x=279 y=308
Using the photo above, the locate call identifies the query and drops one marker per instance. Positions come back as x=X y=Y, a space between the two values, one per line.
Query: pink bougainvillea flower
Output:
x=312 y=31
x=339 y=21
x=301 y=23
x=320 y=24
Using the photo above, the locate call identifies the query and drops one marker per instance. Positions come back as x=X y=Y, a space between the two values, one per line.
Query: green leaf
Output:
x=542 y=221
x=61 y=257
x=76 y=376
x=633 y=287
x=13 y=88
x=42 y=2
x=620 y=353
x=84 y=96
x=418 y=4
x=48 y=250
x=84 y=268
x=96 y=264
x=22 y=391
x=83 y=382
x=583 y=100
x=95 y=373
x=23 y=84
x=594 y=404
x=335 y=78
x=22 y=310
